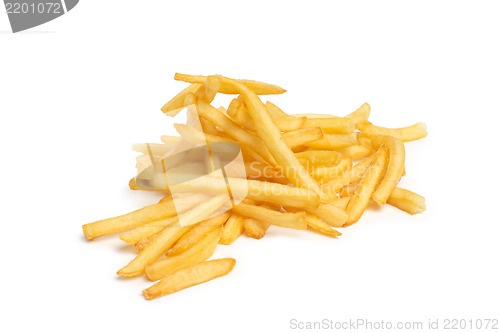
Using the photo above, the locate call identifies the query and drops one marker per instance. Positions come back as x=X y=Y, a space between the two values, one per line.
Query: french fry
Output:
x=131 y=220
x=255 y=228
x=207 y=90
x=330 y=213
x=340 y=203
x=162 y=241
x=176 y=104
x=259 y=88
x=331 y=125
x=232 y=229
x=395 y=167
x=199 y=252
x=407 y=201
x=286 y=220
x=144 y=231
x=192 y=237
x=334 y=141
x=405 y=134
x=348 y=190
x=317 y=158
x=356 y=152
x=275 y=112
x=302 y=136
x=190 y=276
x=318 y=225
x=326 y=174
x=361 y=114
x=366 y=186
x=350 y=175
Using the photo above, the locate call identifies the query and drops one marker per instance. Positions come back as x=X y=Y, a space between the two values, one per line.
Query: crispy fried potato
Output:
x=331 y=125
x=286 y=220
x=255 y=228
x=356 y=152
x=199 y=252
x=232 y=229
x=190 y=276
x=334 y=141
x=325 y=174
x=410 y=133
x=362 y=113
x=302 y=136
x=176 y=104
x=366 y=186
x=315 y=158
x=407 y=201
x=330 y=213
x=318 y=225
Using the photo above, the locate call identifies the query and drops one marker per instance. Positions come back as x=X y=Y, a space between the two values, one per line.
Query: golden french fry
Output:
x=331 y=125
x=259 y=88
x=176 y=104
x=395 y=167
x=350 y=175
x=163 y=240
x=190 y=276
x=318 y=225
x=232 y=229
x=366 y=186
x=315 y=158
x=362 y=113
x=330 y=213
x=348 y=190
x=302 y=136
x=356 y=152
x=131 y=220
x=192 y=237
x=207 y=90
x=334 y=141
x=255 y=228
x=405 y=134
x=340 y=203
x=407 y=201
x=325 y=174
x=286 y=220
x=199 y=252
x=274 y=111
x=273 y=140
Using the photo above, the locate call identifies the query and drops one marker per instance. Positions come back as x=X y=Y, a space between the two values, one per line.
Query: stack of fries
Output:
x=310 y=171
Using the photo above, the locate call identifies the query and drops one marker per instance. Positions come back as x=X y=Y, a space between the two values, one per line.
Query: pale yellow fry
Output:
x=334 y=141
x=131 y=220
x=190 y=276
x=176 y=104
x=286 y=220
x=331 y=125
x=356 y=152
x=207 y=90
x=278 y=194
x=191 y=237
x=239 y=134
x=163 y=240
x=274 y=111
x=410 y=133
x=330 y=213
x=318 y=225
x=145 y=242
x=232 y=230
x=199 y=252
x=407 y=201
x=362 y=113
x=302 y=136
x=144 y=231
x=366 y=186
x=351 y=175
x=395 y=167
x=263 y=171
x=315 y=158
x=340 y=203
x=255 y=228
x=272 y=138
x=259 y=88
x=325 y=174
x=209 y=128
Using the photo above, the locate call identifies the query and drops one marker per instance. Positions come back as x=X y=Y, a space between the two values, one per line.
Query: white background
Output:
x=77 y=92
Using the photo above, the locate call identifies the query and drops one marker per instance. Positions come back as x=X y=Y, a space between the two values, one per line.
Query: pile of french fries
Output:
x=307 y=171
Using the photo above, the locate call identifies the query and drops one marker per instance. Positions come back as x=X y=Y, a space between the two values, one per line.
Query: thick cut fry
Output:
x=331 y=214
x=232 y=230
x=356 y=152
x=255 y=228
x=331 y=125
x=286 y=220
x=216 y=117
x=192 y=237
x=315 y=158
x=318 y=225
x=278 y=194
x=176 y=104
x=407 y=201
x=272 y=138
x=395 y=167
x=302 y=136
x=201 y=251
x=334 y=141
x=362 y=113
x=131 y=220
x=410 y=133
x=366 y=186
x=190 y=276
x=259 y=88
x=163 y=240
